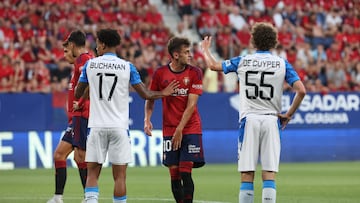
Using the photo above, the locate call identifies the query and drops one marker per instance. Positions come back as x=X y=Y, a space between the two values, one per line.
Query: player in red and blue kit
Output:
x=75 y=136
x=182 y=131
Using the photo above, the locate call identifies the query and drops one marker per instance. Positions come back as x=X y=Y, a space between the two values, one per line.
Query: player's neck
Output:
x=80 y=51
x=176 y=67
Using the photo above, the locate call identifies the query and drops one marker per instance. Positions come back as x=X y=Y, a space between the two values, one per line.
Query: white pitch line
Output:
x=104 y=198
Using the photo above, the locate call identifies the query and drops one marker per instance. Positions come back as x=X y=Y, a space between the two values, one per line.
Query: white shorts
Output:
x=259 y=136
x=112 y=141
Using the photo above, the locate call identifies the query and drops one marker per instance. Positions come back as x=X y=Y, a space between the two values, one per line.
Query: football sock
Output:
x=121 y=199
x=60 y=177
x=246 y=194
x=185 y=169
x=91 y=194
x=269 y=191
x=83 y=173
x=176 y=186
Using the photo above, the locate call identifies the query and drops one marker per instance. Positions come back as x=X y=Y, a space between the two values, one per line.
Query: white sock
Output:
x=269 y=191
x=58 y=196
x=268 y=195
x=91 y=194
x=119 y=199
x=246 y=194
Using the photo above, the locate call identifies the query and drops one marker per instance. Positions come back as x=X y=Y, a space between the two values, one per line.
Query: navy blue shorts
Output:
x=81 y=131
x=69 y=134
x=191 y=150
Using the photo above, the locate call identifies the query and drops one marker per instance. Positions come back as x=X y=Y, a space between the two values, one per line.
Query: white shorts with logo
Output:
x=259 y=137
x=114 y=142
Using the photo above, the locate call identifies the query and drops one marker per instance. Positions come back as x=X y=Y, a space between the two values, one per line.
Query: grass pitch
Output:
x=335 y=182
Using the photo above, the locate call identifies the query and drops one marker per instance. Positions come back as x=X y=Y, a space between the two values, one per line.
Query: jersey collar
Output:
x=263 y=52
x=109 y=53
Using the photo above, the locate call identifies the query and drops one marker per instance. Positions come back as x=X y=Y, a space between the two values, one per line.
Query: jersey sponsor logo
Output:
x=197 y=86
x=181 y=92
x=227 y=63
x=193 y=149
x=102 y=65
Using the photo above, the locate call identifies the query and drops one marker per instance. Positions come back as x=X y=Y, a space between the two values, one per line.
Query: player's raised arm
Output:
x=210 y=60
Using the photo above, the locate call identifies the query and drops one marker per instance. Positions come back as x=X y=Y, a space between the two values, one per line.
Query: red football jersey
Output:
x=174 y=106
x=78 y=65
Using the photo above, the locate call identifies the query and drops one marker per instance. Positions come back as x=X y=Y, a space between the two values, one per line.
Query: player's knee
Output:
x=58 y=155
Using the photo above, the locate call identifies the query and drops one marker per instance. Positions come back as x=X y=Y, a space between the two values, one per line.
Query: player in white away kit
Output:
x=261 y=78
x=108 y=78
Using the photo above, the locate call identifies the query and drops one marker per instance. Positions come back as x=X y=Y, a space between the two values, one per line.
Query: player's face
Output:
x=68 y=55
x=99 y=47
x=184 y=56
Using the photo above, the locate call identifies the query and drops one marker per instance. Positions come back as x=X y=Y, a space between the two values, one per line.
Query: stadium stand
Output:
x=321 y=40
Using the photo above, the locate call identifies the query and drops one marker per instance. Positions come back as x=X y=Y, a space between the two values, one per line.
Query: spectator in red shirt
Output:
x=6 y=73
x=224 y=41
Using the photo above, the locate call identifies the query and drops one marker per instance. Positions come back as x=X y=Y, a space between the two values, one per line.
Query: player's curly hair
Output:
x=176 y=43
x=264 y=36
x=109 y=37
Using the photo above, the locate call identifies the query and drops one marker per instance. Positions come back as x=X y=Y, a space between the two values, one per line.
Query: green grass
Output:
x=337 y=182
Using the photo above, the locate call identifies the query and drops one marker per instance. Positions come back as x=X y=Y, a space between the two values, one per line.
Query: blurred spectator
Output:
x=60 y=77
x=236 y=20
x=311 y=34
x=6 y=74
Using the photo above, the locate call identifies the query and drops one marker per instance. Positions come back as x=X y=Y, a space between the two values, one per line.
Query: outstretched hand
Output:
x=171 y=88
x=284 y=120
x=206 y=43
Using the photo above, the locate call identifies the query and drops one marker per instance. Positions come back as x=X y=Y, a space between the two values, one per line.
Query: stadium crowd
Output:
x=320 y=38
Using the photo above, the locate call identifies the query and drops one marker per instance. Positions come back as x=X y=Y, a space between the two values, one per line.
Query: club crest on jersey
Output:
x=186 y=80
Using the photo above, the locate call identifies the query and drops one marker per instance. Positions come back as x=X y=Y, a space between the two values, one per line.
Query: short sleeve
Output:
x=196 y=77
x=231 y=65
x=134 y=75
x=83 y=76
x=290 y=76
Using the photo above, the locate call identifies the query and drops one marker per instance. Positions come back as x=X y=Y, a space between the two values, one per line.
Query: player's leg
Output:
x=91 y=188
x=119 y=155
x=246 y=194
x=96 y=149
x=171 y=160
x=269 y=187
x=248 y=148
x=79 y=143
x=270 y=157
x=185 y=169
x=176 y=184
x=191 y=156
x=62 y=151
x=119 y=175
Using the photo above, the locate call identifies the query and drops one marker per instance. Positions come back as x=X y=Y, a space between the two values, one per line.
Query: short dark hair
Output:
x=176 y=43
x=77 y=37
x=264 y=36
x=109 y=37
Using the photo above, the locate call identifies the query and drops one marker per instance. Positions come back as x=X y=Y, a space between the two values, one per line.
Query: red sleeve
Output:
x=196 y=77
